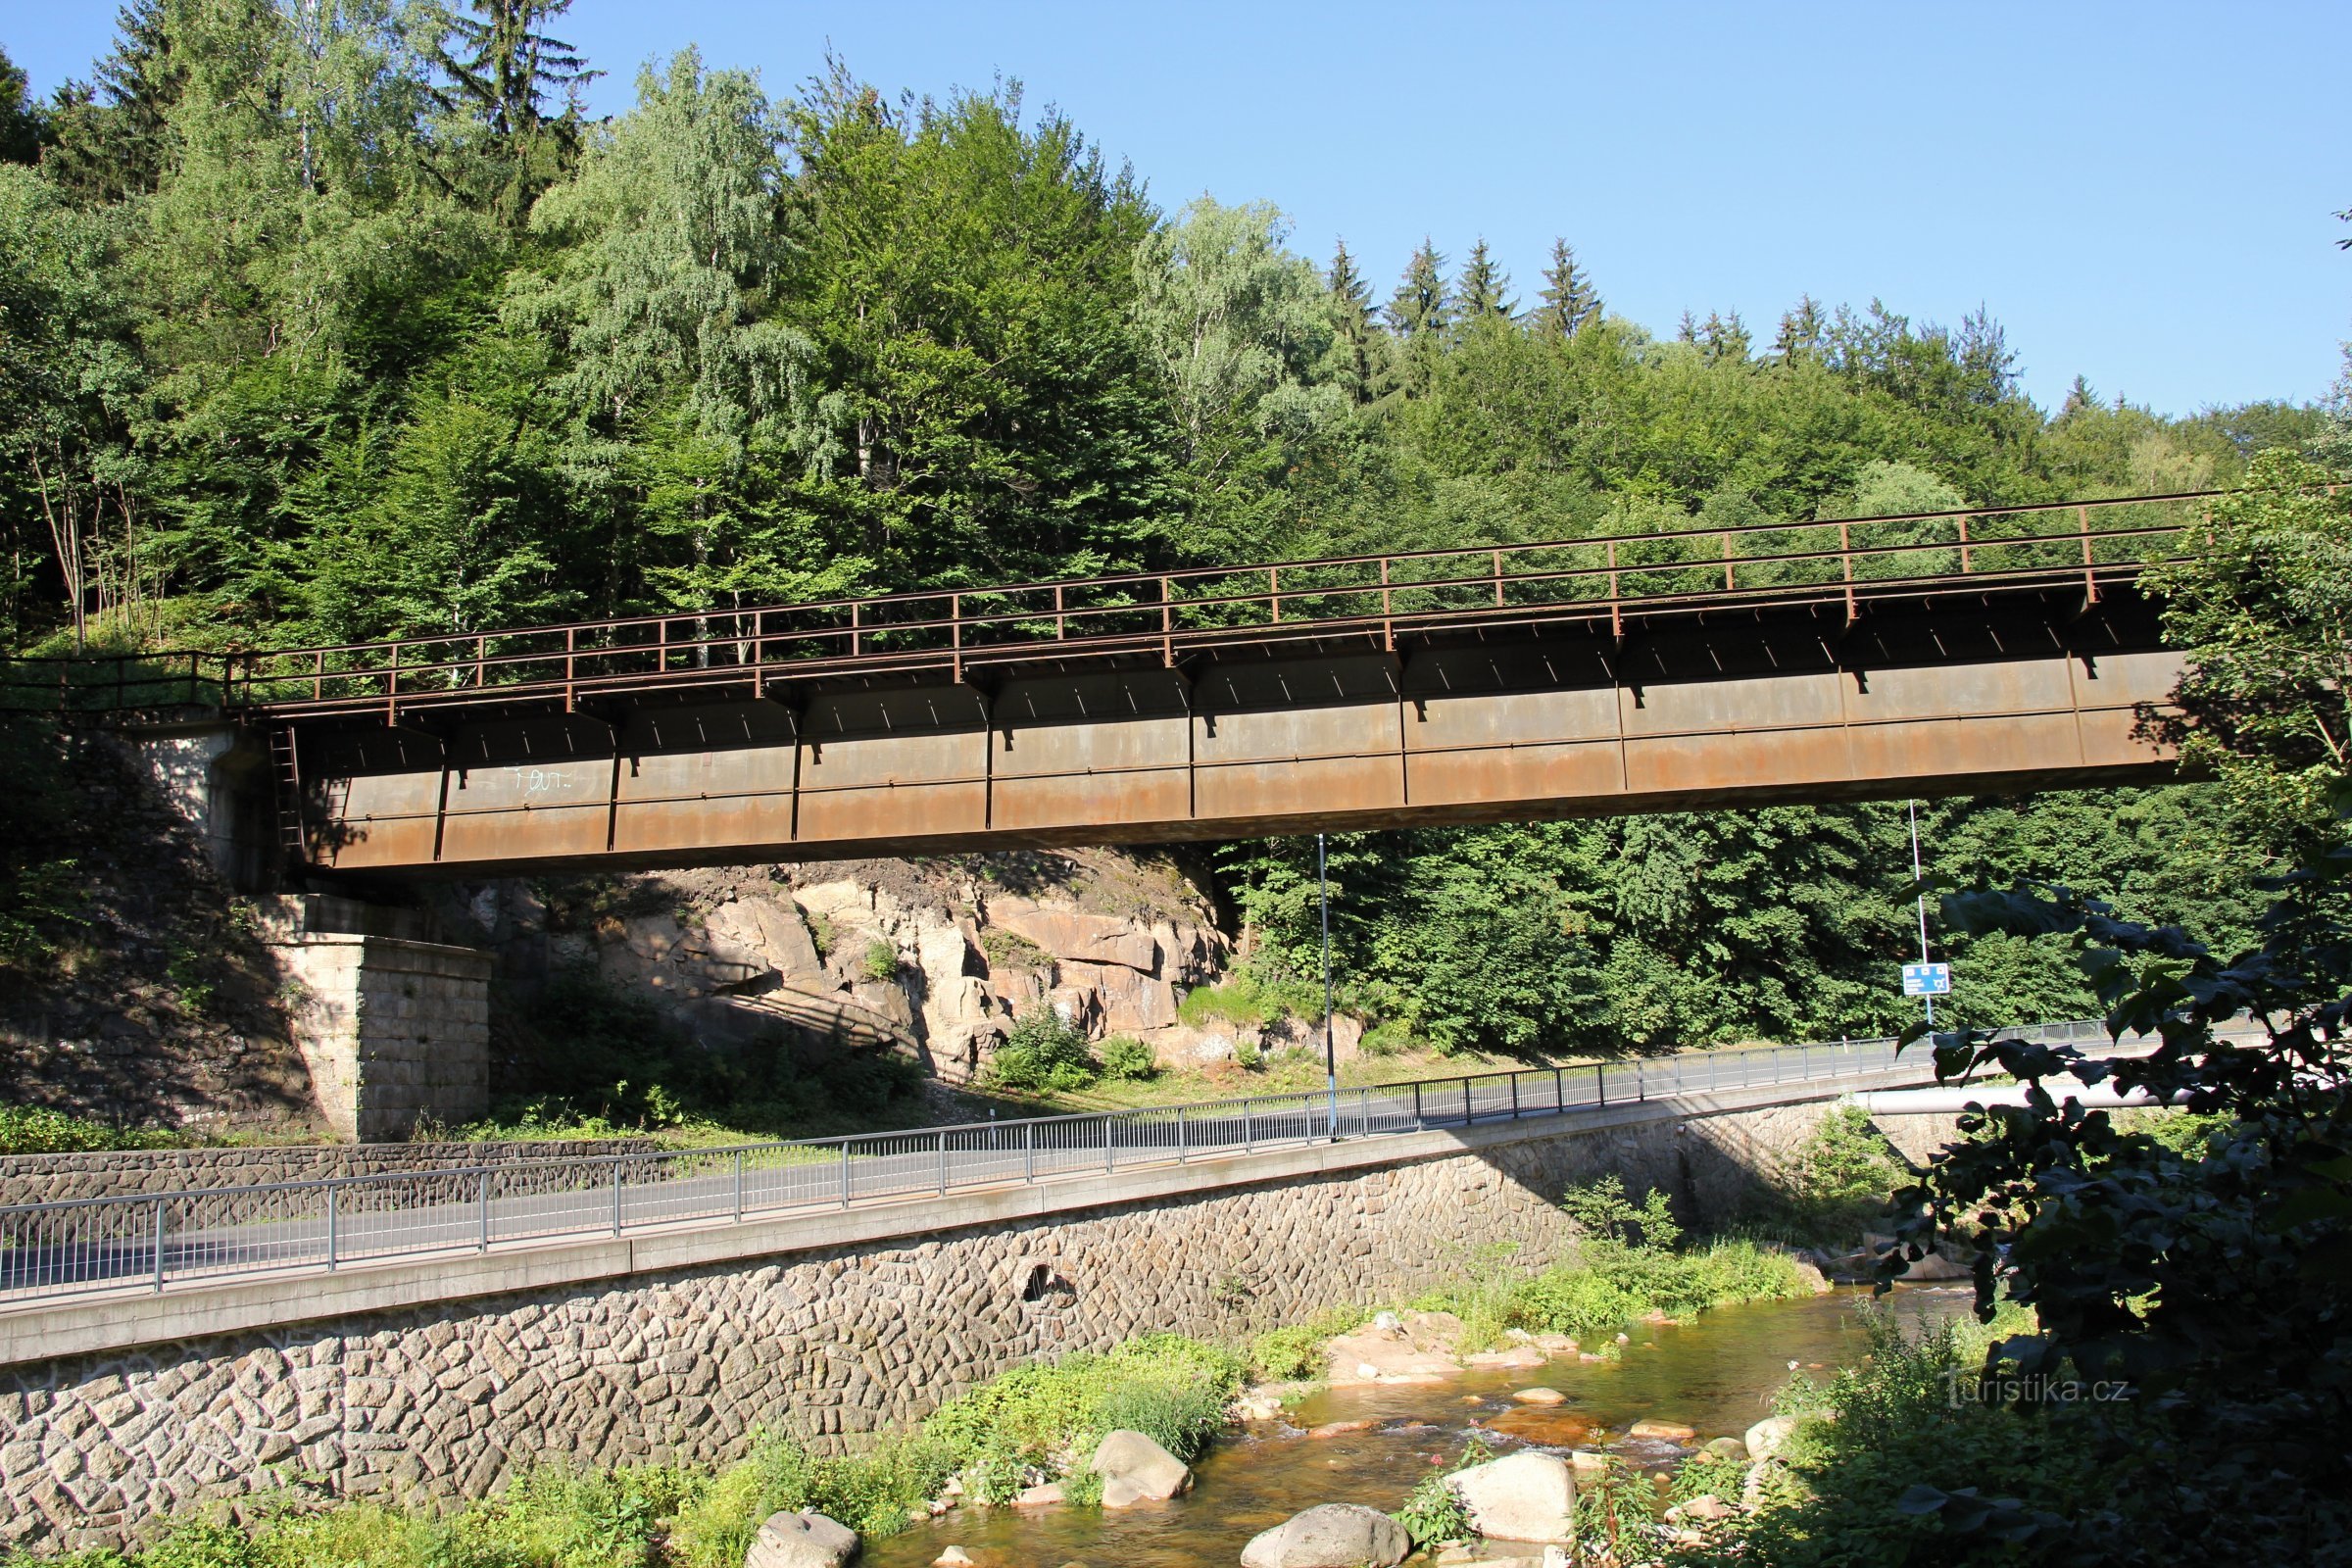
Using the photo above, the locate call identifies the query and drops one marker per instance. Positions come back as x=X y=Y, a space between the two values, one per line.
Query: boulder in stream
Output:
x=1337 y=1535
x=801 y=1541
x=1135 y=1469
x=1768 y=1437
x=1527 y=1496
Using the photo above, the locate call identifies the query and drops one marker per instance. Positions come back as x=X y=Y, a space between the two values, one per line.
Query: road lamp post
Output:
x=1331 y=1061
x=1929 y=997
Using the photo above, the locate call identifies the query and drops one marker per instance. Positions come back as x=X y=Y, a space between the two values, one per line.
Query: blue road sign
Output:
x=1927 y=979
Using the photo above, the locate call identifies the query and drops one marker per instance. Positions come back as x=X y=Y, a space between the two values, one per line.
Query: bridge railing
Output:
x=158 y=1240
x=2090 y=545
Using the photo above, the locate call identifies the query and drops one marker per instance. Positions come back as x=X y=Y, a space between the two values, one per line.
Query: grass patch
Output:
x=38 y=1130
x=1295 y=1352
x=1036 y=1422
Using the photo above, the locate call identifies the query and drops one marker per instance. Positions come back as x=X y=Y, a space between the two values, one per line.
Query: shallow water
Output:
x=1718 y=1375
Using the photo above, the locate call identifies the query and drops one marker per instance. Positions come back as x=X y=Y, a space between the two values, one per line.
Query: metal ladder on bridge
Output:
x=285 y=772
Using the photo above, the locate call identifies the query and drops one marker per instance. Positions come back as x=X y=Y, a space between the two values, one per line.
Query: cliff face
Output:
x=935 y=957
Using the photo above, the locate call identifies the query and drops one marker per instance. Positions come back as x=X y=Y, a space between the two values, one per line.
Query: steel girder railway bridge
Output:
x=1978 y=652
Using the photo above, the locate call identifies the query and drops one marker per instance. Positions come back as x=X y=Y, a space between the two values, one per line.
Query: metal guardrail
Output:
x=2080 y=545
x=155 y=1239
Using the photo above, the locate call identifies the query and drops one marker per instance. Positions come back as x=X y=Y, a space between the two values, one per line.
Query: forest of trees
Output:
x=334 y=320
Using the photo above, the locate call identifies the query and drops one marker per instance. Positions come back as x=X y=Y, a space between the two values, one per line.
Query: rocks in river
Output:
x=1768 y=1437
x=1520 y=1356
x=953 y=1557
x=1525 y=1496
x=1726 y=1447
x=1047 y=1496
x=1334 y=1428
x=801 y=1541
x=1337 y=1535
x=1662 y=1431
x=1705 y=1507
x=1540 y=1396
x=1135 y=1469
x=1548 y=1426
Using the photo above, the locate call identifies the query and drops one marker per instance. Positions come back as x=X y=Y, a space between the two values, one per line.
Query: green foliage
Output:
x=1045 y=1051
x=1034 y=1420
x=2261 y=606
x=1898 y=1425
x=1243 y=1000
x=881 y=961
x=1296 y=1351
x=1434 y=1513
x=1127 y=1059
x=37 y=1130
x=1610 y=1285
x=1009 y=950
x=1603 y=1210
x=1837 y=1179
x=870 y=1490
x=2191 y=1274
x=821 y=933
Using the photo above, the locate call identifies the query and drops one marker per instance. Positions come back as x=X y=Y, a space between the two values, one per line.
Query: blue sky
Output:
x=2140 y=193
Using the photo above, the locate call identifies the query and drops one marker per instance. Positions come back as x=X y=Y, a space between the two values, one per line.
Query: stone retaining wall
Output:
x=446 y=1398
x=63 y=1178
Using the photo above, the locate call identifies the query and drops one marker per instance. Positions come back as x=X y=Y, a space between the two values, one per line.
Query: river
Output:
x=1717 y=1374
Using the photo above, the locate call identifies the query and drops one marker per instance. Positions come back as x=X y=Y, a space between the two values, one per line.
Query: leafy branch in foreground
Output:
x=2206 y=1285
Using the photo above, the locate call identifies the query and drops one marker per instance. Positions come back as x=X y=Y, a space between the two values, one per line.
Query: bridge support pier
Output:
x=394 y=1030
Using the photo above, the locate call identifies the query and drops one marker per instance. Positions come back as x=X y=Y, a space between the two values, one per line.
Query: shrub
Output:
x=1129 y=1060
x=1247 y=1057
x=1839 y=1178
x=871 y=1492
x=1602 y=1210
x=823 y=935
x=38 y=1130
x=1434 y=1512
x=1044 y=1052
x=1296 y=1351
x=1024 y=1423
x=881 y=961
x=1388 y=1038
x=1241 y=1001
x=1610 y=1285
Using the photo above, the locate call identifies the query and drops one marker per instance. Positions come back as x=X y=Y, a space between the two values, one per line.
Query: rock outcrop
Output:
x=934 y=958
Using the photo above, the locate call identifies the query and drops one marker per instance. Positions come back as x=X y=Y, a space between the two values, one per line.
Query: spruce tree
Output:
x=21 y=129
x=1803 y=330
x=1570 y=301
x=1485 y=287
x=110 y=136
x=500 y=66
x=1422 y=303
x=1351 y=307
x=1420 y=315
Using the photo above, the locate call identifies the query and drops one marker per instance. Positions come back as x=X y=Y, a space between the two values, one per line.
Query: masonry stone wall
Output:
x=119 y=1172
x=446 y=1398
x=393 y=1030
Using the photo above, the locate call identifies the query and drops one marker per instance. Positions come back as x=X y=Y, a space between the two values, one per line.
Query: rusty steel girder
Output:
x=1984 y=693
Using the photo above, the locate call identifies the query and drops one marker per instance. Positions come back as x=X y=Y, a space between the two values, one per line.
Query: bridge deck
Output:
x=1983 y=652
